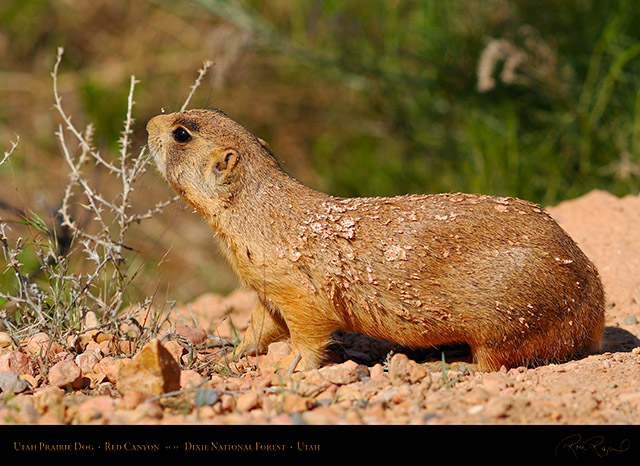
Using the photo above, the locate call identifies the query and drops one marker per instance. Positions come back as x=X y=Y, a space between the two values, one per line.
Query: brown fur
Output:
x=495 y=273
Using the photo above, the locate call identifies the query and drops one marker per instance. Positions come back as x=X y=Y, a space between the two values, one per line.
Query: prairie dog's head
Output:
x=204 y=155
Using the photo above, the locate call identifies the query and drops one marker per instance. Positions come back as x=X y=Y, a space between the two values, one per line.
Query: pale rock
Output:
x=51 y=418
x=96 y=410
x=90 y=320
x=65 y=374
x=133 y=398
x=282 y=419
x=216 y=308
x=329 y=394
x=373 y=386
x=126 y=346
x=588 y=402
x=23 y=410
x=206 y=412
x=375 y=412
x=376 y=371
x=104 y=388
x=403 y=394
x=248 y=401
x=477 y=395
x=190 y=379
x=216 y=382
x=495 y=382
x=106 y=347
x=38 y=344
x=124 y=417
x=297 y=404
x=351 y=392
x=48 y=398
x=110 y=367
x=385 y=395
x=345 y=373
x=228 y=402
x=403 y=370
x=262 y=382
x=87 y=361
x=16 y=362
x=475 y=409
x=62 y=356
x=33 y=381
x=94 y=346
x=323 y=415
x=275 y=352
x=232 y=384
x=149 y=411
x=6 y=342
x=498 y=407
x=306 y=383
x=89 y=337
x=94 y=379
x=195 y=335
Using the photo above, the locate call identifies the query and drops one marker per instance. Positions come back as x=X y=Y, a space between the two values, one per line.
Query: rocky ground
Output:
x=370 y=382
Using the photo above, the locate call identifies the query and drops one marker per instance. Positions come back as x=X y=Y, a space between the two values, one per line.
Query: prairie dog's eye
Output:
x=181 y=135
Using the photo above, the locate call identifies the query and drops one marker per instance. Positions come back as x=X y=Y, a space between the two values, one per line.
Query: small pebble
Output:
x=65 y=374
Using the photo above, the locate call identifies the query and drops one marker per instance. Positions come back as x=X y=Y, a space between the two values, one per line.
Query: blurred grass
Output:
x=566 y=122
x=356 y=98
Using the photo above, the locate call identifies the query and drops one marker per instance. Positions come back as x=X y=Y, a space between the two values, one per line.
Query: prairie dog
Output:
x=495 y=273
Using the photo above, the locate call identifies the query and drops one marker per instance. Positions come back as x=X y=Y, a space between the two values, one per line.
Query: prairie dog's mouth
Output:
x=154 y=143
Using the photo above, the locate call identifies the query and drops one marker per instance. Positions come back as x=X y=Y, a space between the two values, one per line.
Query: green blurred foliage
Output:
x=565 y=121
x=559 y=118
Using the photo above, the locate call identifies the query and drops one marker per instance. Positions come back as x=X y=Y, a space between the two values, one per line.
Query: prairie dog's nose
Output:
x=156 y=123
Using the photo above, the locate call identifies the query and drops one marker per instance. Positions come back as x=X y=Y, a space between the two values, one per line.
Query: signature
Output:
x=576 y=445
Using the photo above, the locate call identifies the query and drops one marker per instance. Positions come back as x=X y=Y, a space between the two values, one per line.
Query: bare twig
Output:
x=205 y=67
x=14 y=146
x=58 y=106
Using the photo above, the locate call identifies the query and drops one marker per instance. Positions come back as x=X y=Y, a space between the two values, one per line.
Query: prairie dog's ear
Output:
x=264 y=144
x=224 y=160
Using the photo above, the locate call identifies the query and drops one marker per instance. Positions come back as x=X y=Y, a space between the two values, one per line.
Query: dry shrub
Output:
x=83 y=262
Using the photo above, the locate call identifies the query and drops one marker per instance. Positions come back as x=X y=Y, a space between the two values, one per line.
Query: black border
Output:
x=396 y=443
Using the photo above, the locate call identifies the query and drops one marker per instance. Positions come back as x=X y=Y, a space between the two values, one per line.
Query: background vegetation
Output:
x=539 y=100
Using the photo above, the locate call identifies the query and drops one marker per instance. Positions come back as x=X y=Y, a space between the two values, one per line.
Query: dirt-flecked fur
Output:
x=497 y=274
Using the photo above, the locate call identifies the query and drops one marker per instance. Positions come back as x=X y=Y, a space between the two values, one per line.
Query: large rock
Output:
x=152 y=371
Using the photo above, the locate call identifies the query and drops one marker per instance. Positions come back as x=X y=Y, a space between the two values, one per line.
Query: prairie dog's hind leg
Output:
x=264 y=328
